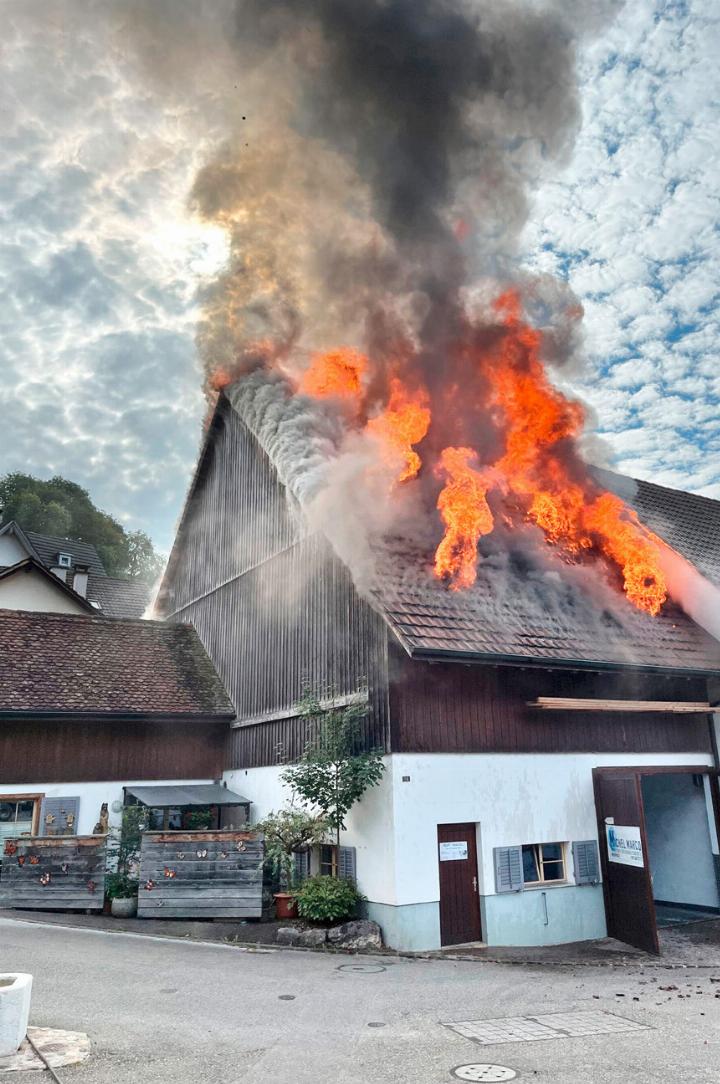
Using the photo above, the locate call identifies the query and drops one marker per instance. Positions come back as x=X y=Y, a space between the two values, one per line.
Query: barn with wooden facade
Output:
x=551 y=761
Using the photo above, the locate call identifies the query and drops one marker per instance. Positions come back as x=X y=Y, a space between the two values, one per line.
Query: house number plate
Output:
x=453 y=852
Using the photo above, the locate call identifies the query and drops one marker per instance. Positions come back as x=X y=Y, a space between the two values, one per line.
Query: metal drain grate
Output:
x=560 y=1025
x=481 y=1071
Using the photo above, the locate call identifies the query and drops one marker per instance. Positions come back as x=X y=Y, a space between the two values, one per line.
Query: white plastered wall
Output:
x=91 y=795
x=33 y=591
x=513 y=798
x=516 y=798
x=10 y=551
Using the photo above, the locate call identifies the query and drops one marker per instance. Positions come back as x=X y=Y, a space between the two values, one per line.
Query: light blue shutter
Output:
x=59 y=810
x=508 y=869
x=586 y=862
x=346 y=864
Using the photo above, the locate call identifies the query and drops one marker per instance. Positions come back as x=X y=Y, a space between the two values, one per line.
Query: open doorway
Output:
x=681 y=841
x=658 y=835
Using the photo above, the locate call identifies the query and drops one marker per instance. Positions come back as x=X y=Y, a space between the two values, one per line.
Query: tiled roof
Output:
x=78 y=664
x=117 y=597
x=535 y=609
x=83 y=553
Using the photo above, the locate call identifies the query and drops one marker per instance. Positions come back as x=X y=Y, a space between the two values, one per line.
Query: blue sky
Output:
x=101 y=262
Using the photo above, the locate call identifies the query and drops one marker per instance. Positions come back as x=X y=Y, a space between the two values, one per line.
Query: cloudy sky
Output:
x=101 y=261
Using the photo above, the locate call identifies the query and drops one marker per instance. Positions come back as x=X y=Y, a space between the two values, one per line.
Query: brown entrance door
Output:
x=459 y=900
x=629 y=905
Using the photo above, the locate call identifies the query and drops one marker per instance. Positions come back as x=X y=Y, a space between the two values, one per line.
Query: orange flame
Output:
x=466 y=514
x=337 y=373
x=541 y=468
x=403 y=423
x=633 y=547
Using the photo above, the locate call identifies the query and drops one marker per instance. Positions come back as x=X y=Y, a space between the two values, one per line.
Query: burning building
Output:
x=395 y=494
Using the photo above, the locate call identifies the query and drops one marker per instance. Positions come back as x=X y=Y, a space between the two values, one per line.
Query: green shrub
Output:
x=327 y=899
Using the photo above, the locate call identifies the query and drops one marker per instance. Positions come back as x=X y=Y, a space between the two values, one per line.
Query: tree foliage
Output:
x=334 y=770
x=62 y=508
x=289 y=832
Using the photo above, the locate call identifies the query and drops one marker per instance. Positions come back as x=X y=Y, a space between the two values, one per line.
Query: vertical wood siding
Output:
x=275 y=609
x=451 y=708
x=74 y=752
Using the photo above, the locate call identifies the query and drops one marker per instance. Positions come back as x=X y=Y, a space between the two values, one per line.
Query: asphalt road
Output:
x=161 y=1010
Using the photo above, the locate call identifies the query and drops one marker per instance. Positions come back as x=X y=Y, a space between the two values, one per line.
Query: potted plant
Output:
x=122 y=892
x=123 y=861
x=289 y=832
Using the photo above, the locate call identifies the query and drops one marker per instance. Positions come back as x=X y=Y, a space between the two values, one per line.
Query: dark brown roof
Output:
x=521 y=609
x=117 y=597
x=102 y=666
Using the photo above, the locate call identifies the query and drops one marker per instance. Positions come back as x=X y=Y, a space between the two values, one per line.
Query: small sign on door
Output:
x=453 y=852
x=624 y=844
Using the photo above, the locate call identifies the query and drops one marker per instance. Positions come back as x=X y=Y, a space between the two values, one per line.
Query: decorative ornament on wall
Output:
x=241 y=846
x=45 y=878
x=149 y=885
x=10 y=847
x=169 y=872
x=202 y=854
x=34 y=860
x=65 y=867
x=179 y=854
x=91 y=886
x=21 y=859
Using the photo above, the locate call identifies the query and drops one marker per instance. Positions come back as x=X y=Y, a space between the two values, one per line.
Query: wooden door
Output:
x=629 y=905
x=459 y=900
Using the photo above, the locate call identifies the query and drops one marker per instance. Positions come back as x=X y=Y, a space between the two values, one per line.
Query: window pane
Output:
x=553 y=871
x=7 y=811
x=552 y=852
x=530 y=870
x=25 y=810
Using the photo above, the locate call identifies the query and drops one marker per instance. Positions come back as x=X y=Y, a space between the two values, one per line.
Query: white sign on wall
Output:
x=453 y=852
x=624 y=845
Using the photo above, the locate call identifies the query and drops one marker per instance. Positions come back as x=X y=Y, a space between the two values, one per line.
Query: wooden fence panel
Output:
x=200 y=875
x=53 y=873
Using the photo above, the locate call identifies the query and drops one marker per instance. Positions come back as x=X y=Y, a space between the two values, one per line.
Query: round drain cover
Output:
x=482 y=1071
x=362 y=969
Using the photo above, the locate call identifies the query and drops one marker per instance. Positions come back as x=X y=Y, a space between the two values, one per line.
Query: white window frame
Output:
x=540 y=861
x=64 y=560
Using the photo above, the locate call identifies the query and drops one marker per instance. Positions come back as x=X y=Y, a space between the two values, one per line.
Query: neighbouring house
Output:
x=551 y=765
x=75 y=565
x=97 y=710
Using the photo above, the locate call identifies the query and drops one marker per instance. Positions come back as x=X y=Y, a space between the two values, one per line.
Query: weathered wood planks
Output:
x=53 y=873
x=200 y=875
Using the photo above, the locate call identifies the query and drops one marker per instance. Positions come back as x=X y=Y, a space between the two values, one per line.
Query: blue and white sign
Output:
x=624 y=845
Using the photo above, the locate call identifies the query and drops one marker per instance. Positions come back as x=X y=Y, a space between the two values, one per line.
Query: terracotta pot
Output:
x=124 y=908
x=285 y=905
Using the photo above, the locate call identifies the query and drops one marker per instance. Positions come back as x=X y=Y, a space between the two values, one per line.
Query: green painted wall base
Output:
x=551 y=916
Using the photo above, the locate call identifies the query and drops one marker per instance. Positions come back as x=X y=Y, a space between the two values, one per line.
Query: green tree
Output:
x=334 y=770
x=62 y=508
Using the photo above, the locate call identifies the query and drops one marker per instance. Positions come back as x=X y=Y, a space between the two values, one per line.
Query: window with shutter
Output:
x=58 y=816
x=508 y=869
x=302 y=866
x=346 y=864
x=586 y=862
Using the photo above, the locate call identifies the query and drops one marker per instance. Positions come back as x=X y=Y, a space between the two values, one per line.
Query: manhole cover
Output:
x=361 y=969
x=482 y=1071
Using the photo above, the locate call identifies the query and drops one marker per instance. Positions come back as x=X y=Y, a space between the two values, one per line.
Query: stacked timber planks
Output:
x=200 y=875
x=53 y=873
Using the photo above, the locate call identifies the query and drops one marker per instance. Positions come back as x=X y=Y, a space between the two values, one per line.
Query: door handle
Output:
x=475 y=884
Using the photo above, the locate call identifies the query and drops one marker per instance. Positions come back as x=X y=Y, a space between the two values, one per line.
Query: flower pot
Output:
x=285 y=905
x=124 y=907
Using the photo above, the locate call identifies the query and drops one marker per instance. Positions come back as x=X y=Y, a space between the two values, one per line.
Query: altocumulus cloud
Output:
x=100 y=260
x=633 y=224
